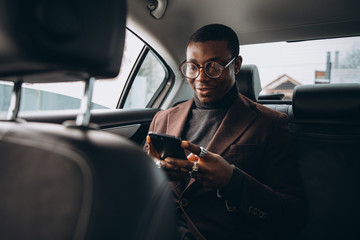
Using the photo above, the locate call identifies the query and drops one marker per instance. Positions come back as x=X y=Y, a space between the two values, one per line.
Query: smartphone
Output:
x=167 y=145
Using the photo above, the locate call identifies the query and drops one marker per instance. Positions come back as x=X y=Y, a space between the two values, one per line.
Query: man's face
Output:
x=210 y=89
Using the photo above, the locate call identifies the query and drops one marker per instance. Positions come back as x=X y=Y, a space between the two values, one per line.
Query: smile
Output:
x=205 y=90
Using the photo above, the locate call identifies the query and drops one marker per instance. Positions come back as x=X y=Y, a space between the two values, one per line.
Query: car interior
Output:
x=73 y=167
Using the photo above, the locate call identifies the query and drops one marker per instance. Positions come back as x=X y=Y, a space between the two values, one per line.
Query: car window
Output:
x=284 y=65
x=147 y=80
x=106 y=94
x=5 y=96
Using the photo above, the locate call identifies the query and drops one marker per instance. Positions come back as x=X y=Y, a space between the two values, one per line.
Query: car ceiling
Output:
x=255 y=21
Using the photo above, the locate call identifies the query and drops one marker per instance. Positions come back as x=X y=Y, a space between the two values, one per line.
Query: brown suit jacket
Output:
x=256 y=140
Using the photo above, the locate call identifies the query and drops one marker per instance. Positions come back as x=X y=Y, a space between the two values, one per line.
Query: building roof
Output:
x=284 y=82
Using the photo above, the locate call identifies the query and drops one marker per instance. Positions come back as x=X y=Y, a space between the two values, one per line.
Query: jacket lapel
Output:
x=177 y=118
x=239 y=116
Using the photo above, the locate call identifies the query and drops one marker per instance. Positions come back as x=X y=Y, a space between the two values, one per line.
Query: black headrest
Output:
x=248 y=81
x=61 y=40
x=338 y=101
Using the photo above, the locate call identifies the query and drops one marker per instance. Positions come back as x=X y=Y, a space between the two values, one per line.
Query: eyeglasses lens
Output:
x=213 y=69
x=190 y=70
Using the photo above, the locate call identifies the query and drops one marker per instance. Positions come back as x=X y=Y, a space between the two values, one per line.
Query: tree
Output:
x=352 y=59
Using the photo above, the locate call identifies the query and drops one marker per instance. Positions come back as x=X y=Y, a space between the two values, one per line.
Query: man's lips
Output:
x=204 y=87
x=205 y=90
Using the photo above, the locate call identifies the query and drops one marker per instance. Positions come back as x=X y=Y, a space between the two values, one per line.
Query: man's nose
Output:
x=202 y=76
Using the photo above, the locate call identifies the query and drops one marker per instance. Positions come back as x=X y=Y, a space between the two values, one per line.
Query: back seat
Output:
x=248 y=81
x=325 y=123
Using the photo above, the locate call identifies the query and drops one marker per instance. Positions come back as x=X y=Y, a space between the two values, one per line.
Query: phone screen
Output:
x=167 y=145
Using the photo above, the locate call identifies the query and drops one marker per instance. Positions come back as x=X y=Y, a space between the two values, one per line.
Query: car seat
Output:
x=71 y=181
x=325 y=124
x=248 y=81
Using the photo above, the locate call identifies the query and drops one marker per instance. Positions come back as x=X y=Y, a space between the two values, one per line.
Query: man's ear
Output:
x=238 y=62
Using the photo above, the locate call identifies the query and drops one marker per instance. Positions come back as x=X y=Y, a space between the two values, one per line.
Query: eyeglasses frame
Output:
x=199 y=67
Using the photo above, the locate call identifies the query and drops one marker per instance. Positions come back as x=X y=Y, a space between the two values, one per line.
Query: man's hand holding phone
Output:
x=167 y=146
x=161 y=147
x=214 y=171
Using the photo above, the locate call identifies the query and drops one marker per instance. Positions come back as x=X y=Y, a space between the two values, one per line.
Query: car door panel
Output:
x=130 y=123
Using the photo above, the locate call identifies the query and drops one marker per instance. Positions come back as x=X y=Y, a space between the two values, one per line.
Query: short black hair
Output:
x=218 y=32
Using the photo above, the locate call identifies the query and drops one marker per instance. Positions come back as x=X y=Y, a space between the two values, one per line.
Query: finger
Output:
x=167 y=166
x=192 y=157
x=195 y=149
x=179 y=163
x=191 y=147
x=151 y=149
x=148 y=139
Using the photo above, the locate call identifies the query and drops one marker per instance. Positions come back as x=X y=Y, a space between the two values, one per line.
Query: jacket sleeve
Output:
x=277 y=200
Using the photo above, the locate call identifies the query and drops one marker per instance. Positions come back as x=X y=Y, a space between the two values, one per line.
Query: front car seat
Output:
x=72 y=181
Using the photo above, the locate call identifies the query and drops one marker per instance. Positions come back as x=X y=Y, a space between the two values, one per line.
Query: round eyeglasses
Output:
x=212 y=69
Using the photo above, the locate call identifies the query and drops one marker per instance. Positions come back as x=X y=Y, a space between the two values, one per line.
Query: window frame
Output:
x=164 y=88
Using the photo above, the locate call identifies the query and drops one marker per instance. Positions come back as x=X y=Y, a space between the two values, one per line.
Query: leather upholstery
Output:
x=248 y=81
x=326 y=128
x=73 y=182
x=331 y=101
x=61 y=40
x=64 y=183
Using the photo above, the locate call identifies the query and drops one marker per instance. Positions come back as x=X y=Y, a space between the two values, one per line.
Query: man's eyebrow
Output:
x=210 y=59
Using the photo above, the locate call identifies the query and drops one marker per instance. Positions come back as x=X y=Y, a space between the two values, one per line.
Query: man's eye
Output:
x=192 y=67
x=212 y=66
